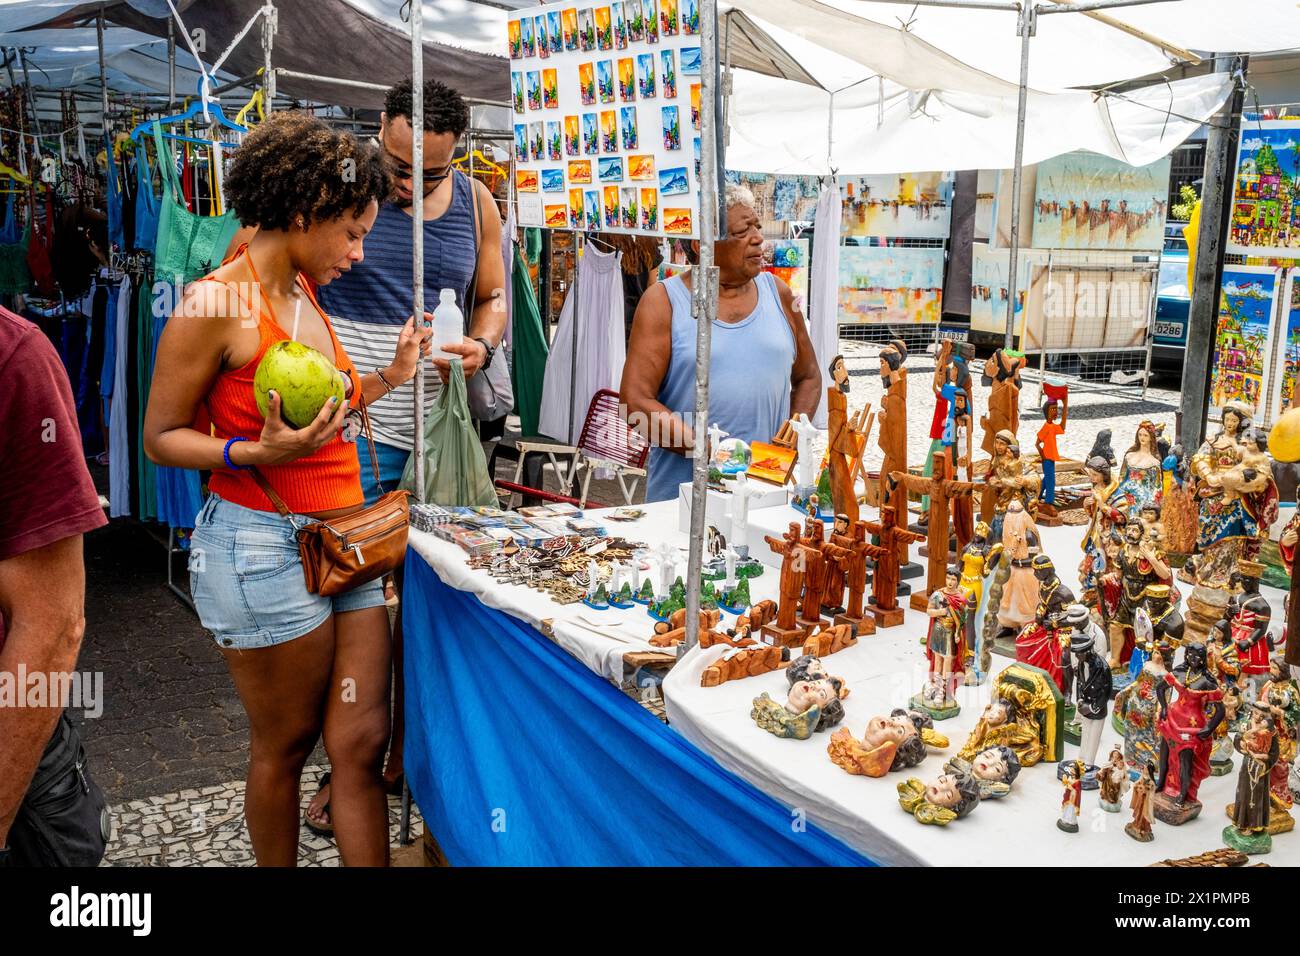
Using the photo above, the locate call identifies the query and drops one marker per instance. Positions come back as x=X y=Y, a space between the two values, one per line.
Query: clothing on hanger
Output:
x=601 y=347
x=823 y=292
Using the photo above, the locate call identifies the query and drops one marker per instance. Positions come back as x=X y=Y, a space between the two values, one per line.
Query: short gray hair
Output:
x=738 y=195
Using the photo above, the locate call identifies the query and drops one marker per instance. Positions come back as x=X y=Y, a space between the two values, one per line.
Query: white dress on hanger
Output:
x=824 y=288
x=601 y=349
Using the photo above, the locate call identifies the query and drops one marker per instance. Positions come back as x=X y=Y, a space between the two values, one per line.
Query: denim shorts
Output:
x=247 y=581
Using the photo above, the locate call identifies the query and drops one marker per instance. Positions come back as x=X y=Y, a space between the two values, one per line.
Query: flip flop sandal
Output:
x=326 y=829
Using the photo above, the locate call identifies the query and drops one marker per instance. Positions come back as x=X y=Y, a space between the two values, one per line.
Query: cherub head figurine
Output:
x=950 y=797
x=994 y=769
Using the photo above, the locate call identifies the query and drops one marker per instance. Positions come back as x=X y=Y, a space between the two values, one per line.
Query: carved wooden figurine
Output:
x=786 y=630
x=941 y=489
x=884 y=586
x=893 y=435
x=855 y=576
x=1002 y=374
x=846 y=441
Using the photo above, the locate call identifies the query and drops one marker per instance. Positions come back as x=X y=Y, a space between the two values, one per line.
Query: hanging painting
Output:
x=1266 y=195
x=890 y=284
x=1243 y=337
x=1087 y=201
x=897 y=205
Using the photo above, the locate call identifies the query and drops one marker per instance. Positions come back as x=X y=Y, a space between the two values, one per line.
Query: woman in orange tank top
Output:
x=304 y=665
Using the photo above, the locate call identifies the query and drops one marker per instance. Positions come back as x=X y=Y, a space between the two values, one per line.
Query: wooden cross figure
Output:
x=942 y=489
x=786 y=631
x=884 y=585
x=855 y=577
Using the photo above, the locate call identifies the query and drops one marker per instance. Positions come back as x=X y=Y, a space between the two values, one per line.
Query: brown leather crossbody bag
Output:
x=343 y=553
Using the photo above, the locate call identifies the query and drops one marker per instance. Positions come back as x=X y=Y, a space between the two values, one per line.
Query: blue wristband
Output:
x=225 y=453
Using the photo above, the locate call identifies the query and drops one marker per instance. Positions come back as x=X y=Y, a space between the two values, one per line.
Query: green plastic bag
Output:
x=455 y=471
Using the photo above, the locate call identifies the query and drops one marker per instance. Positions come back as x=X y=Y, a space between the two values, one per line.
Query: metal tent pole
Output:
x=704 y=294
x=103 y=76
x=1025 y=26
x=269 y=27
x=171 y=63
x=573 y=337
x=417 y=225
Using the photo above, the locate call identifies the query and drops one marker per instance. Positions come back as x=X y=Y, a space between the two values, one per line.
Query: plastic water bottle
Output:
x=448 y=322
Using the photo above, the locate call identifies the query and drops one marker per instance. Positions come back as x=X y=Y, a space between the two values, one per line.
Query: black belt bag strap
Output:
x=63 y=820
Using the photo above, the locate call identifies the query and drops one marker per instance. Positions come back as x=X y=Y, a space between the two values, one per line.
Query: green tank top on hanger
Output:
x=188 y=245
x=15 y=277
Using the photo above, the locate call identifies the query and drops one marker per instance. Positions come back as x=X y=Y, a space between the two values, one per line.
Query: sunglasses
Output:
x=403 y=170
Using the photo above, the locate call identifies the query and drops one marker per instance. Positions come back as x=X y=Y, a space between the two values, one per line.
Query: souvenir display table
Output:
x=497 y=712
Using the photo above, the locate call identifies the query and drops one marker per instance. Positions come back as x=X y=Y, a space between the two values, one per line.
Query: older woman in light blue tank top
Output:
x=762 y=368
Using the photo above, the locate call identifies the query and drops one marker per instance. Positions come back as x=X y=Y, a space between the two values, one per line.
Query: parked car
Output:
x=1172 y=302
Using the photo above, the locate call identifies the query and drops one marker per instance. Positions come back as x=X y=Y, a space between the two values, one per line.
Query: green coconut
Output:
x=304 y=378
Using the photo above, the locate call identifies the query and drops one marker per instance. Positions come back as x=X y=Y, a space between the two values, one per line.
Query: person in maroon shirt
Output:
x=47 y=501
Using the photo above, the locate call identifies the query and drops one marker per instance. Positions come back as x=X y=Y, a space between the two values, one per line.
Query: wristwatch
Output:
x=489 y=350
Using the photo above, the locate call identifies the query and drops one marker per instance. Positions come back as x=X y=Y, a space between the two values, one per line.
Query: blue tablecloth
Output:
x=518 y=755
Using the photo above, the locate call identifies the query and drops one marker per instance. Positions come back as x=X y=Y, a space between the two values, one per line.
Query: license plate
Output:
x=1169 y=330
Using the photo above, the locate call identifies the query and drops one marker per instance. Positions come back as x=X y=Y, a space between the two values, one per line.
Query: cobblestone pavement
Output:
x=205 y=827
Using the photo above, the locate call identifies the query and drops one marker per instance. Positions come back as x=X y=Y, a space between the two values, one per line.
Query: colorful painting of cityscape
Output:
x=605 y=80
x=910 y=205
x=1241 y=339
x=1289 y=355
x=884 y=284
x=1087 y=201
x=529 y=47
x=586 y=31
x=570 y=17
x=645 y=74
x=626 y=80
x=590 y=134
x=587 y=83
x=604 y=29
x=690 y=17
x=611 y=207
x=592 y=207
x=551 y=89
x=575 y=208
x=516 y=39
x=651 y=10
x=628 y=127
x=630 y=206
x=543 y=43
x=517 y=91
x=553 y=140
x=650 y=210
x=673 y=182
x=620 y=25
x=672 y=128
x=608 y=131
x=521 y=143
x=572 y=136
x=1266 y=200
x=534 y=90
x=635 y=21
x=670 y=74
x=554 y=31
x=537 y=140
x=668 y=17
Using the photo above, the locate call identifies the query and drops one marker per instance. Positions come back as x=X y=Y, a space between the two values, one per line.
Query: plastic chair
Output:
x=605 y=442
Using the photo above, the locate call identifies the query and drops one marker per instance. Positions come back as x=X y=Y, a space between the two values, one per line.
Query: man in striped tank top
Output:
x=762 y=368
x=370 y=303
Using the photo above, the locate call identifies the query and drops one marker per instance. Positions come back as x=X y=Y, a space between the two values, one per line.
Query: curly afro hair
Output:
x=295 y=165
x=444 y=109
